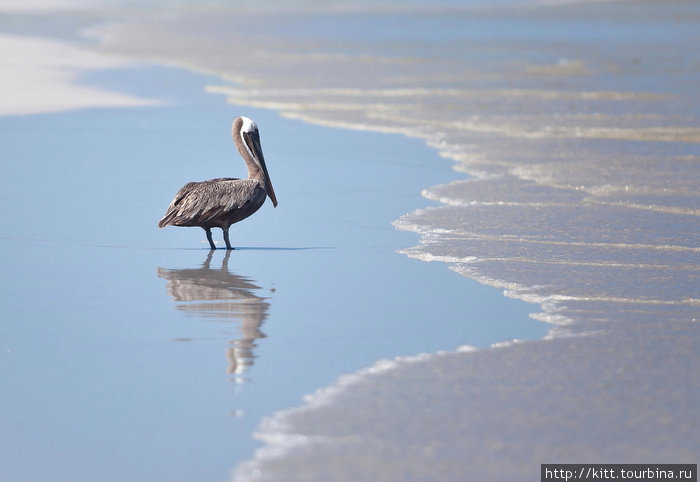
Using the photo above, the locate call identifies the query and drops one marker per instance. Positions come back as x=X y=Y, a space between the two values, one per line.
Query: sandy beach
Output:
x=359 y=331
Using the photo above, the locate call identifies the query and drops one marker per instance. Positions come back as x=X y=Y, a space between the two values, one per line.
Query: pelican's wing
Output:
x=201 y=203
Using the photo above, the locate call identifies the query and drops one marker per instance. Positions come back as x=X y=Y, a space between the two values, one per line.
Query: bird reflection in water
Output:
x=225 y=296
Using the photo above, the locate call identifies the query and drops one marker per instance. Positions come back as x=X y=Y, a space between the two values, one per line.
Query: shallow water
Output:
x=578 y=125
x=132 y=353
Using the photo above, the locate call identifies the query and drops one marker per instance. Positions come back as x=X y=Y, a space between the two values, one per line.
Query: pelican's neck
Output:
x=254 y=171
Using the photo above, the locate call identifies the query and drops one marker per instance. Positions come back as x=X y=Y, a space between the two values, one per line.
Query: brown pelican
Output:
x=221 y=202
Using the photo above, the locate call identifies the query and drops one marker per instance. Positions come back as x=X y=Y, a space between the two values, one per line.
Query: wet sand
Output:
x=583 y=154
x=494 y=414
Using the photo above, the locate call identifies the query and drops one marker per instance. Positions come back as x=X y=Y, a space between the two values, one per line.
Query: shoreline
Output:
x=351 y=429
x=524 y=165
x=165 y=332
x=598 y=346
x=313 y=442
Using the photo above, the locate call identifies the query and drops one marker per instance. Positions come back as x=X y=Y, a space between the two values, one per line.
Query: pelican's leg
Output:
x=211 y=241
x=228 y=243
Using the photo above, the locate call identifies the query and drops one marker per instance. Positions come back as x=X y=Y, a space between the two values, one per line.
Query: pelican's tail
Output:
x=163 y=223
x=166 y=220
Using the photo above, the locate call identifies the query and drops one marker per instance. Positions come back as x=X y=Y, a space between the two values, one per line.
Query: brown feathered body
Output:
x=216 y=203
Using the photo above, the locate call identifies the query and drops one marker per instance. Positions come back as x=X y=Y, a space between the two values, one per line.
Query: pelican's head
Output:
x=248 y=125
x=245 y=135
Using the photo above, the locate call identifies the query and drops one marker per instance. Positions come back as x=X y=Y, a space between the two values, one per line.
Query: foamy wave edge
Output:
x=278 y=433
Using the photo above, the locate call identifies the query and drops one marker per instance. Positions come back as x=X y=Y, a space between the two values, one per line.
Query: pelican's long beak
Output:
x=254 y=142
x=270 y=190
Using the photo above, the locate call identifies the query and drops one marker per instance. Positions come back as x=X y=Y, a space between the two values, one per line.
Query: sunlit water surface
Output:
x=576 y=128
x=133 y=353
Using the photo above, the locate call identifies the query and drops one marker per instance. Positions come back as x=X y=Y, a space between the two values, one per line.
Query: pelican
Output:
x=218 y=203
